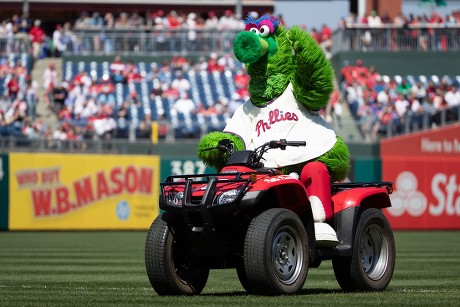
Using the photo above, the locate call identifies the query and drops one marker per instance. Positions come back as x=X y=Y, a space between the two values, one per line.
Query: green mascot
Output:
x=290 y=81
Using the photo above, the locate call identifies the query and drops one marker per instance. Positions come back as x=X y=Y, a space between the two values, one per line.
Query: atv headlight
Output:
x=175 y=198
x=227 y=196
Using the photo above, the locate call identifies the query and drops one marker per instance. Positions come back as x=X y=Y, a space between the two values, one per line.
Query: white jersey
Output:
x=282 y=118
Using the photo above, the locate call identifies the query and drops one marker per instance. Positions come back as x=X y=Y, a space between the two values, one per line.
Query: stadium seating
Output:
x=206 y=87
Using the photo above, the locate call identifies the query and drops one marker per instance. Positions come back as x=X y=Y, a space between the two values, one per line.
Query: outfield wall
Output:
x=49 y=191
x=425 y=169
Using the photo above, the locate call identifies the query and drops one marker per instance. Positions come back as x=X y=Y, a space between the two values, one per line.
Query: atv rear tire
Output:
x=371 y=265
x=276 y=253
x=164 y=261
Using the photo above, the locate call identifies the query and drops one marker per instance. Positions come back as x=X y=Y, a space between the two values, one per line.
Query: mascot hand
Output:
x=208 y=152
x=295 y=36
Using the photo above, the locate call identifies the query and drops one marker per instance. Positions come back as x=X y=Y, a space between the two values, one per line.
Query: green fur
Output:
x=309 y=71
x=271 y=74
x=313 y=75
x=293 y=56
x=247 y=47
x=215 y=158
x=337 y=161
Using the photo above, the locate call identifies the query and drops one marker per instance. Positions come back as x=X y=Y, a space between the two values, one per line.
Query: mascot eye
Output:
x=264 y=31
x=255 y=30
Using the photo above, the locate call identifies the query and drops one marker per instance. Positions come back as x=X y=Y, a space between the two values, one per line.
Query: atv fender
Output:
x=347 y=205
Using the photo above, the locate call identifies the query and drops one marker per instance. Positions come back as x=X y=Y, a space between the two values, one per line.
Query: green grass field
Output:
x=107 y=268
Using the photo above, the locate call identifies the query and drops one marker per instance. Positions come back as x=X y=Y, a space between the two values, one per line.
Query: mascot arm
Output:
x=313 y=76
x=215 y=158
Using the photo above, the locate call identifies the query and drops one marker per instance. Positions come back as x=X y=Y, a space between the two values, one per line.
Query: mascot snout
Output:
x=249 y=47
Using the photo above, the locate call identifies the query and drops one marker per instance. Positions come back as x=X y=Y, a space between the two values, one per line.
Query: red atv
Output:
x=259 y=221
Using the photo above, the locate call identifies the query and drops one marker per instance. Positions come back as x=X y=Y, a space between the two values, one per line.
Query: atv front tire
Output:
x=166 y=268
x=276 y=253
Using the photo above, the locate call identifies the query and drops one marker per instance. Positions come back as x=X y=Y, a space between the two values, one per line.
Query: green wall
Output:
x=403 y=63
x=4 y=192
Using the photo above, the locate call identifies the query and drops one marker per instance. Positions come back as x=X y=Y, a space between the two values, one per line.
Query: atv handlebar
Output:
x=283 y=143
x=227 y=148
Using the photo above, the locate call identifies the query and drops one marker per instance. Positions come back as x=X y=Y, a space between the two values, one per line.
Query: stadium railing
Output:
x=14 y=45
x=394 y=38
x=150 y=41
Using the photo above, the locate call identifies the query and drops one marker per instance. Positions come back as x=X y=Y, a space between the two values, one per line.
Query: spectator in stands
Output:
x=452 y=104
x=227 y=61
x=220 y=106
x=154 y=73
x=30 y=96
x=156 y=91
x=431 y=88
x=235 y=102
x=50 y=79
x=132 y=73
x=160 y=24
x=404 y=88
x=213 y=64
x=12 y=87
x=58 y=41
x=87 y=109
x=59 y=95
x=326 y=39
x=184 y=104
x=179 y=63
x=20 y=70
x=417 y=112
x=117 y=70
x=79 y=122
x=134 y=100
x=180 y=83
x=65 y=114
x=211 y=23
x=452 y=97
x=123 y=118
x=401 y=105
x=316 y=35
x=191 y=25
x=388 y=122
x=37 y=36
x=174 y=24
x=144 y=130
x=104 y=125
x=230 y=22
x=366 y=119
x=29 y=130
x=241 y=78
x=354 y=97
x=336 y=110
x=14 y=118
x=418 y=90
x=170 y=92
x=105 y=93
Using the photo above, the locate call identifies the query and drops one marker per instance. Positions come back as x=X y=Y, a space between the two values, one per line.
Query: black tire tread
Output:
x=348 y=270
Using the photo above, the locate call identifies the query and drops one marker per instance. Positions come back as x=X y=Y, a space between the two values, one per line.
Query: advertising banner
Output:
x=425 y=170
x=183 y=166
x=82 y=192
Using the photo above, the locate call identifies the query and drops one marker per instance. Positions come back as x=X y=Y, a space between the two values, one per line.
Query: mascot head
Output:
x=266 y=53
x=275 y=56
